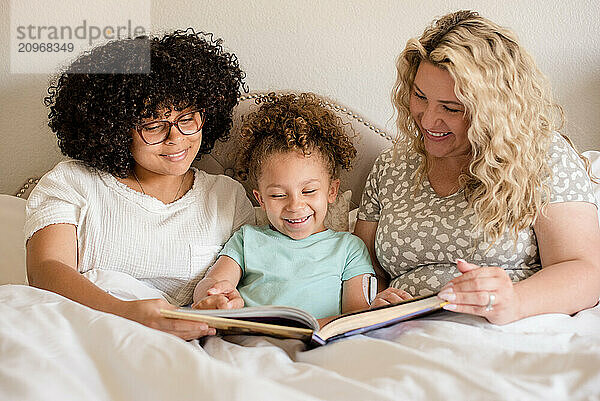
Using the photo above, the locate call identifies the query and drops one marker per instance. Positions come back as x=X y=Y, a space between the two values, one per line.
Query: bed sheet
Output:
x=446 y=356
x=52 y=348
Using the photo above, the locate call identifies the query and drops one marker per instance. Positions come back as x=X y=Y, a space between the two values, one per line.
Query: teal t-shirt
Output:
x=306 y=273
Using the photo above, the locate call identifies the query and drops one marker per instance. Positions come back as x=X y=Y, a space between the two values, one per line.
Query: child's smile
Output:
x=298 y=225
x=298 y=221
x=295 y=191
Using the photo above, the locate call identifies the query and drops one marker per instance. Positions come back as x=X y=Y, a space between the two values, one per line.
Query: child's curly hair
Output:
x=105 y=93
x=293 y=123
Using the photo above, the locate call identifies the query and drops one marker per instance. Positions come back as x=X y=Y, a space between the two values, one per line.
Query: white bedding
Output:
x=54 y=349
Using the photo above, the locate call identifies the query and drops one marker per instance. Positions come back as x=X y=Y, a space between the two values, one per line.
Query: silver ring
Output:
x=490 y=305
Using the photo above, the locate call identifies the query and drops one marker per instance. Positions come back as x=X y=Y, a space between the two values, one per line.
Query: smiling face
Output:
x=171 y=157
x=295 y=191
x=439 y=115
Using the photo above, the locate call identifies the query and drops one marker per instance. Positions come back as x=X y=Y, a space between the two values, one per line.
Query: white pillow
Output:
x=337 y=217
x=12 y=244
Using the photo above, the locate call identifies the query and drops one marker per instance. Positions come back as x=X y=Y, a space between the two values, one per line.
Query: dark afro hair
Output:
x=105 y=93
x=292 y=123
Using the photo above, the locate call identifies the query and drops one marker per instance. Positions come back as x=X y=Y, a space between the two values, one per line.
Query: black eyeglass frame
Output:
x=171 y=124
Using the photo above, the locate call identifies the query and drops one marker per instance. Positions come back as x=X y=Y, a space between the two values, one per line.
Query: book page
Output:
x=279 y=314
x=373 y=317
x=269 y=314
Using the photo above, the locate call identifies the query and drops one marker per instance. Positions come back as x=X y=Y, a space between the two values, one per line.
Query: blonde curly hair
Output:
x=292 y=123
x=511 y=111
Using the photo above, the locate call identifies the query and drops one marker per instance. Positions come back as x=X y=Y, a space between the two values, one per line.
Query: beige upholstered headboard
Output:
x=367 y=138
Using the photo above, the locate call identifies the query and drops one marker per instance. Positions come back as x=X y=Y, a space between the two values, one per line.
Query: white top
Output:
x=168 y=247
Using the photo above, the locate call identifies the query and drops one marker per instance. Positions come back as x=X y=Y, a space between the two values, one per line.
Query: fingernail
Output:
x=449 y=307
x=460 y=260
x=447 y=294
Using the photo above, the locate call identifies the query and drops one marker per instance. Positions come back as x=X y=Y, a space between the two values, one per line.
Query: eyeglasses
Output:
x=156 y=132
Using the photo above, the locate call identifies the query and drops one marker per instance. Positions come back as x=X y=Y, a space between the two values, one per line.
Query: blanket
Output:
x=52 y=348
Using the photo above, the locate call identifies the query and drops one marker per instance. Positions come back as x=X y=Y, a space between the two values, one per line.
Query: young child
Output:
x=293 y=150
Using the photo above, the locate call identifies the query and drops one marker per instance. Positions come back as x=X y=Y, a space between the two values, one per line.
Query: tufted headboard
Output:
x=367 y=138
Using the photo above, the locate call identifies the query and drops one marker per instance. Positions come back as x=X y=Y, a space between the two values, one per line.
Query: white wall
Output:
x=343 y=49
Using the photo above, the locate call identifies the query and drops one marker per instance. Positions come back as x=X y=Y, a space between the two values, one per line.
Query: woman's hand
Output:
x=222 y=295
x=483 y=291
x=390 y=296
x=147 y=312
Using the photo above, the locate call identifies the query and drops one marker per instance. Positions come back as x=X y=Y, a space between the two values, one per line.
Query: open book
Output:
x=289 y=322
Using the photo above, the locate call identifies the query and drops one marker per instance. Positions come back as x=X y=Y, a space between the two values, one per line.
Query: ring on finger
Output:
x=490 y=305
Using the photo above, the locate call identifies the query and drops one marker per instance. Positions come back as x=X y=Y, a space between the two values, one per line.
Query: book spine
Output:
x=316 y=341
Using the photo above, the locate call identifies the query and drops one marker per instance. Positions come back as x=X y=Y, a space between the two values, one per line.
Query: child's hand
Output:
x=390 y=296
x=222 y=295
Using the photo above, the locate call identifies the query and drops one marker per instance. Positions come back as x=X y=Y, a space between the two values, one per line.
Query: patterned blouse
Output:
x=421 y=234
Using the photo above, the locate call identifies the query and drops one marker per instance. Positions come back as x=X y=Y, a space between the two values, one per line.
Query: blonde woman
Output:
x=481 y=198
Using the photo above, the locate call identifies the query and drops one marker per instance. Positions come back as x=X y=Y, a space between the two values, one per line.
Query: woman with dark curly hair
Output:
x=128 y=208
x=293 y=149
